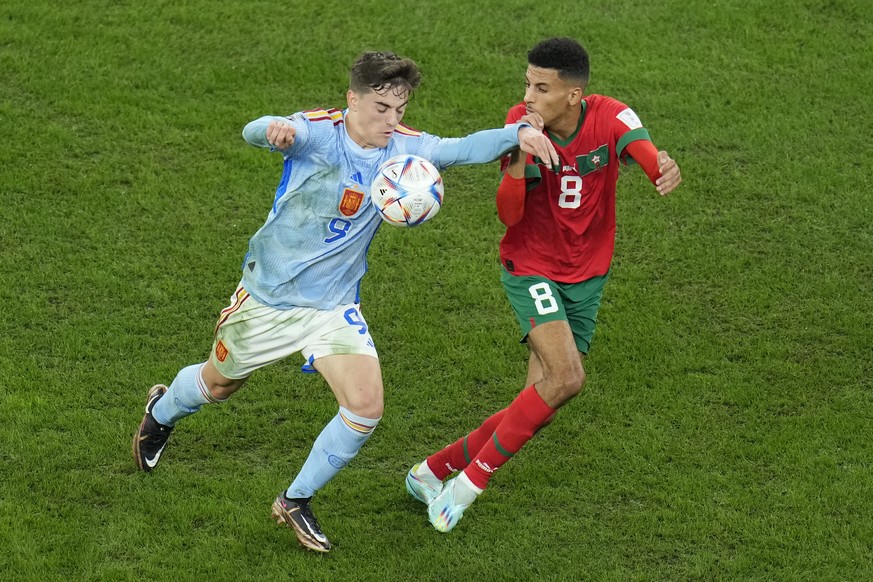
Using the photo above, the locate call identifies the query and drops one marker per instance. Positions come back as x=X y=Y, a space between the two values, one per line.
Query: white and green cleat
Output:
x=447 y=509
x=422 y=484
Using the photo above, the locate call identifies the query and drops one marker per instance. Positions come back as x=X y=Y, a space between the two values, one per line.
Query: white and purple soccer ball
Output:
x=407 y=191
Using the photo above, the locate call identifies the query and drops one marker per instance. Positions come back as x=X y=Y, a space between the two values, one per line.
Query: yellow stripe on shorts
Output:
x=235 y=303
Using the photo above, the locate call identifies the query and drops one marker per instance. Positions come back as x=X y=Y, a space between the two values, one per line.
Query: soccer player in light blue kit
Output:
x=300 y=288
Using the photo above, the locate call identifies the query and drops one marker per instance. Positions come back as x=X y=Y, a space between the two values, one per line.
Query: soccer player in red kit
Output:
x=555 y=255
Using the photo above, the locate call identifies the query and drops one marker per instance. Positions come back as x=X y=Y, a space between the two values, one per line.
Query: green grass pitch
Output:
x=725 y=429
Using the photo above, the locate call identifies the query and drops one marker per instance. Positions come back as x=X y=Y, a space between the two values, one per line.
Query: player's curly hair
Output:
x=381 y=71
x=565 y=55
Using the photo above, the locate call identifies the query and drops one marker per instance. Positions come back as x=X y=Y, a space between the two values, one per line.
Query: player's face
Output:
x=373 y=116
x=553 y=98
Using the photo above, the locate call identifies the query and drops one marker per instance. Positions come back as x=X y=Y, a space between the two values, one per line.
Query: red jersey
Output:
x=567 y=232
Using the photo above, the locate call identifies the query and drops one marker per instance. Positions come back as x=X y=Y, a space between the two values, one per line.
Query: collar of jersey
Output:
x=356 y=148
x=565 y=143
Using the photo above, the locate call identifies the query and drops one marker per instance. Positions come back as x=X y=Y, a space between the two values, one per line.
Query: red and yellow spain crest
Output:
x=221 y=351
x=351 y=202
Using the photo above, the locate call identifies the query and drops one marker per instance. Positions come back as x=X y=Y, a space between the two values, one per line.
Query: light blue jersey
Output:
x=312 y=250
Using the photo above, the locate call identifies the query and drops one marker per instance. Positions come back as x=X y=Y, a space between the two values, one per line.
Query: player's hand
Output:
x=670 y=176
x=535 y=119
x=534 y=142
x=280 y=135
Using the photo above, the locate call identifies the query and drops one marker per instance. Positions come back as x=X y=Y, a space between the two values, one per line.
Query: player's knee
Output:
x=570 y=382
x=221 y=390
x=366 y=403
x=219 y=387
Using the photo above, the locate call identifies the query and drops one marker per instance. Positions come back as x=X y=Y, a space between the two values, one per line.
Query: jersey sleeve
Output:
x=626 y=126
x=644 y=153
x=477 y=148
x=315 y=133
x=255 y=133
x=510 y=200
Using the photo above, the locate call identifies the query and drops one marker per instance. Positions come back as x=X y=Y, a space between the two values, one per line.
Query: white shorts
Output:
x=250 y=335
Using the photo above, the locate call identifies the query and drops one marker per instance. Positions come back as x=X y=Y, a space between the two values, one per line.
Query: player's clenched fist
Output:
x=280 y=135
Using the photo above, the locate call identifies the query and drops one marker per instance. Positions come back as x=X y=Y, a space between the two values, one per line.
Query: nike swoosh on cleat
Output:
x=310 y=532
x=154 y=460
x=151 y=401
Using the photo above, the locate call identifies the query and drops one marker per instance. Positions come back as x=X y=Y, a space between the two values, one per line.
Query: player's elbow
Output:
x=509 y=217
x=252 y=130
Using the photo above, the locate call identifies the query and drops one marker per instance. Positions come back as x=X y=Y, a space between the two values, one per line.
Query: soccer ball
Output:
x=407 y=191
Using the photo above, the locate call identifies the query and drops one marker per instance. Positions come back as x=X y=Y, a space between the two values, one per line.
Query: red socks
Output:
x=498 y=438
x=527 y=414
x=458 y=455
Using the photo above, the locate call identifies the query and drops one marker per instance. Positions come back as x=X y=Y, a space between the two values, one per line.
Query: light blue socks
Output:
x=186 y=395
x=337 y=444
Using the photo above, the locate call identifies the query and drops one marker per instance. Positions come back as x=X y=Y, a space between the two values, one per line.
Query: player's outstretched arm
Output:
x=485 y=146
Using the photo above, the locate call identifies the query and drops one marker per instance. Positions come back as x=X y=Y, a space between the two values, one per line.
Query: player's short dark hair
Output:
x=381 y=71
x=565 y=55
